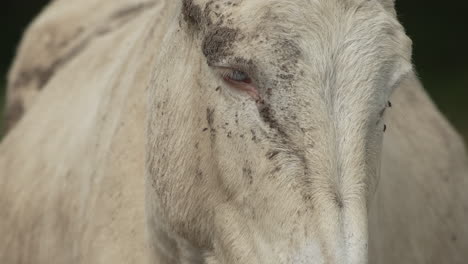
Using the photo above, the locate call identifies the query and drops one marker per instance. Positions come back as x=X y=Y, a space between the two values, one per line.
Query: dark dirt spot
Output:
x=271 y=154
x=205 y=129
x=42 y=75
x=268 y=117
x=339 y=201
x=269 y=92
x=210 y=120
x=288 y=54
x=286 y=76
x=199 y=175
x=454 y=238
x=240 y=60
x=247 y=172
x=284 y=67
x=218 y=88
x=254 y=136
x=277 y=169
x=209 y=117
x=218 y=43
x=207 y=11
x=288 y=49
x=26 y=76
x=307 y=197
x=13 y=114
x=192 y=13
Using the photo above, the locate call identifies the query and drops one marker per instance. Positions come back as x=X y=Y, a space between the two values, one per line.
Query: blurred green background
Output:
x=439 y=32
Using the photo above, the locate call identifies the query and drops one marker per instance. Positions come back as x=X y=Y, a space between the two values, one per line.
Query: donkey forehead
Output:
x=331 y=27
x=285 y=16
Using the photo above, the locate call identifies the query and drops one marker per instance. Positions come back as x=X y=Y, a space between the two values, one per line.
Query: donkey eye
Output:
x=240 y=80
x=238 y=76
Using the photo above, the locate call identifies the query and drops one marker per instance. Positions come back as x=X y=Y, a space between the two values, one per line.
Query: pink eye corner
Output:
x=241 y=81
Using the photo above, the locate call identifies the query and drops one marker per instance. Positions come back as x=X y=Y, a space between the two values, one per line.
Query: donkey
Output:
x=222 y=132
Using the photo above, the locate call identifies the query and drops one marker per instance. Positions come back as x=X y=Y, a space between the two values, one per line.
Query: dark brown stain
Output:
x=339 y=201
x=207 y=12
x=276 y=169
x=218 y=43
x=288 y=54
x=199 y=175
x=39 y=74
x=192 y=13
x=210 y=117
x=247 y=172
x=267 y=115
x=288 y=50
x=210 y=120
x=254 y=136
x=286 y=76
x=43 y=74
x=272 y=154
x=13 y=114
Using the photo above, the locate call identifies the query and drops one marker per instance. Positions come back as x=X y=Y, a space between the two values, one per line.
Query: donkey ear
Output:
x=389 y=5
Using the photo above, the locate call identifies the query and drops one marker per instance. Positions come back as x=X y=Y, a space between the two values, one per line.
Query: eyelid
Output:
x=232 y=65
x=227 y=73
x=248 y=87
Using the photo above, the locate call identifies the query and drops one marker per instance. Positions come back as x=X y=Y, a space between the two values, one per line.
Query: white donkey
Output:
x=226 y=132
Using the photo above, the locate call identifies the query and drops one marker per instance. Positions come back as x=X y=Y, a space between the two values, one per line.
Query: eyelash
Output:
x=230 y=75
